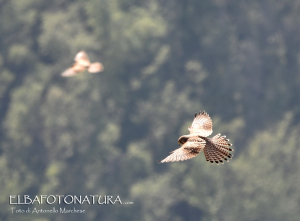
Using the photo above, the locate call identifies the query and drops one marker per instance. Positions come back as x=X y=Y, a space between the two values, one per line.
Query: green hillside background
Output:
x=102 y=134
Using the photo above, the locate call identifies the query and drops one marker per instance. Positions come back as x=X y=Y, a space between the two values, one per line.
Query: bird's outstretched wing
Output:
x=95 y=67
x=82 y=58
x=74 y=70
x=217 y=149
x=202 y=124
x=69 y=73
x=187 y=151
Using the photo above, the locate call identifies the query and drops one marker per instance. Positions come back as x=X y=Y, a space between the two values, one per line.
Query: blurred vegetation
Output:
x=101 y=134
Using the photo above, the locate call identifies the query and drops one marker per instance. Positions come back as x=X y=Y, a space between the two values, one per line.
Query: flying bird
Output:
x=82 y=63
x=216 y=149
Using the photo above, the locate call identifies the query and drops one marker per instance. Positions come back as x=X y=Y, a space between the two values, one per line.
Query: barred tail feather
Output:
x=221 y=142
x=217 y=150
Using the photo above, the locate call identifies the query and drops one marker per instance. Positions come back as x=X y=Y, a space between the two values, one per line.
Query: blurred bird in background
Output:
x=82 y=63
x=215 y=149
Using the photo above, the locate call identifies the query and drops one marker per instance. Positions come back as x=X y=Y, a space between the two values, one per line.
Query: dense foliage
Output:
x=102 y=134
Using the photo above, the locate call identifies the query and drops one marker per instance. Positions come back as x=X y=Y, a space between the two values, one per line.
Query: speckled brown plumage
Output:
x=216 y=149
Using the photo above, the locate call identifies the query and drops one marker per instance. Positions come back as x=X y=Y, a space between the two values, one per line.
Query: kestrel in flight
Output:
x=82 y=62
x=216 y=149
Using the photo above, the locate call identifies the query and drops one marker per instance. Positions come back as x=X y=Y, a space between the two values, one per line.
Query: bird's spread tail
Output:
x=217 y=149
